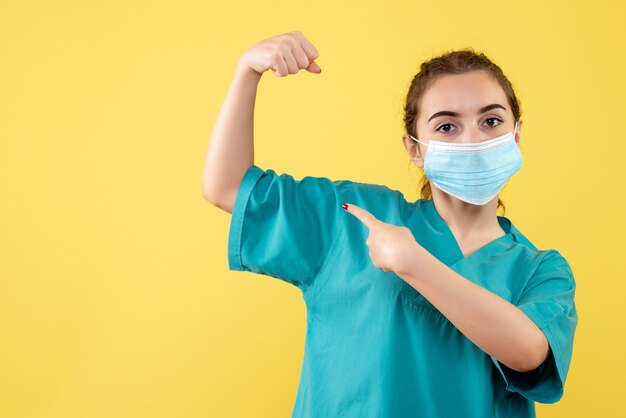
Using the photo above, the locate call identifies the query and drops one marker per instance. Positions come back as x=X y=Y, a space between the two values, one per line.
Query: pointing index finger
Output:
x=361 y=214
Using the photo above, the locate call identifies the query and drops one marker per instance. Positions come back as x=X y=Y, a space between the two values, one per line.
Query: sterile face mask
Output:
x=472 y=172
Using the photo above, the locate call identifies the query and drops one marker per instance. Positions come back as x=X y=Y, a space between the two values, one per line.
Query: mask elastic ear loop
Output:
x=416 y=140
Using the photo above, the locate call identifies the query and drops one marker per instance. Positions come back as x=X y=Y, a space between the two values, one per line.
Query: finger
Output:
x=301 y=58
x=280 y=67
x=292 y=65
x=314 y=68
x=308 y=47
x=361 y=214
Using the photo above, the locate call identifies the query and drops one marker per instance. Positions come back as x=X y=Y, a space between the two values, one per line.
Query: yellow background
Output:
x=115 y=294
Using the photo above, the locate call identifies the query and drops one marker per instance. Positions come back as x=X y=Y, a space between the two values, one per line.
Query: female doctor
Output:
x=432 y=308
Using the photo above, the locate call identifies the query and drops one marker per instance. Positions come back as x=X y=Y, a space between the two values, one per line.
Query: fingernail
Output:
x=345 y=206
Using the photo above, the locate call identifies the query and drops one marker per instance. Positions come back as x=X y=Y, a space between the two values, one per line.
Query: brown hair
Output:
x=454 y=62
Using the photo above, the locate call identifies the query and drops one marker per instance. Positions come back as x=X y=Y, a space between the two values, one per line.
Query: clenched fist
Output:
x=284 y=54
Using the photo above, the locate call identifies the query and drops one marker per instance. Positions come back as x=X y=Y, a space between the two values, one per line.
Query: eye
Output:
x=442 y=126
x=493 y=119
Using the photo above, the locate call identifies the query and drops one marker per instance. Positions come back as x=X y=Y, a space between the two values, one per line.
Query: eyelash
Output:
x=445 y=124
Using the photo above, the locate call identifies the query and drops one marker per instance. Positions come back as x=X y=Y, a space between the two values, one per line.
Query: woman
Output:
x=432 y=308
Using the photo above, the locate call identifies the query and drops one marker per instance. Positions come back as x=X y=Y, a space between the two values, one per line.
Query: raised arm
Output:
x=231 y=148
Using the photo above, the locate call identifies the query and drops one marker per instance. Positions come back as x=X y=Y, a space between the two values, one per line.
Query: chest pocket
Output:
x=492 y=281
x=415 y=302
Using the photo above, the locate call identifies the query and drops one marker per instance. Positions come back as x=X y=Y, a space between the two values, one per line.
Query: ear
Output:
x=518 y=134
x=414 y=151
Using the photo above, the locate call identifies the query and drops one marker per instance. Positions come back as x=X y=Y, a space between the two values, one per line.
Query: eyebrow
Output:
x=450 y=113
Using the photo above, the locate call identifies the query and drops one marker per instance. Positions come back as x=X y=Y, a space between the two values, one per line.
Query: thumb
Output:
x=314 y=68
x=361 y=214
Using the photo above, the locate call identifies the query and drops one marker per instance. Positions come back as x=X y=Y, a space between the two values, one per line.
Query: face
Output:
x=470 y=107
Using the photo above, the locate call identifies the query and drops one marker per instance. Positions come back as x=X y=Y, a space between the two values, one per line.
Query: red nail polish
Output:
x=345 y=206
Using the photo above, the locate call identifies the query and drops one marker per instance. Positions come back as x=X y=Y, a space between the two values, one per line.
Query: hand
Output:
x=285 y=54
x=391 y=247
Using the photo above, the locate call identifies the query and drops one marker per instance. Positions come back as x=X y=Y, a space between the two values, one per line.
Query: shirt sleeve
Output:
x=548 y=300
x=282 y=227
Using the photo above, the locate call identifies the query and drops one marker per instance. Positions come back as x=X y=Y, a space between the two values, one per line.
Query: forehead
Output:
x=463 y=93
